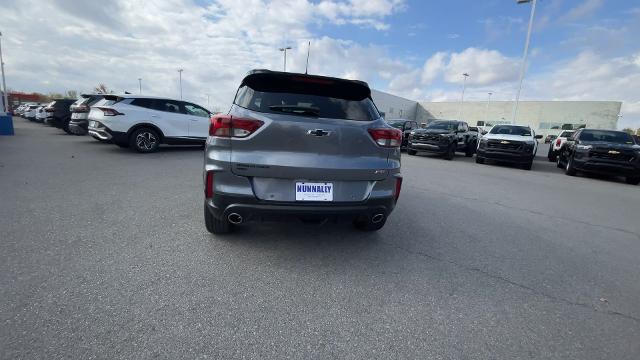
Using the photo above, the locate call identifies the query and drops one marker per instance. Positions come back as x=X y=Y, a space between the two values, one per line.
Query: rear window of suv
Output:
x=307 y=96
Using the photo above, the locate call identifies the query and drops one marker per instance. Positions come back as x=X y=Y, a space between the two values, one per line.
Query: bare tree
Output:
x=72 y=94
x=101 y=89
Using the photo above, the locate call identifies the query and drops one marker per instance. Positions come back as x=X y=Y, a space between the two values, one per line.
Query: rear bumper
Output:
x=104 y=133
x=506 y=156
x=78 y=125
x=252 y=209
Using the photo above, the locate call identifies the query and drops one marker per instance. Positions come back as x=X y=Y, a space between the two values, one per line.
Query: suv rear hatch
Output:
x=314 y=129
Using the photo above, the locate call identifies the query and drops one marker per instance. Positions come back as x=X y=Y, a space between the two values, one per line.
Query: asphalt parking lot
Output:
x=104 y=254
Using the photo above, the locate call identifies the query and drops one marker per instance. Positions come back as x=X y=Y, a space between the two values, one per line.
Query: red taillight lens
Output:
x=109 y=111
x=386 y=137
x=228 y=126
x=208 y=188
x=398 y=188
x=558 y=142
x=81 y=108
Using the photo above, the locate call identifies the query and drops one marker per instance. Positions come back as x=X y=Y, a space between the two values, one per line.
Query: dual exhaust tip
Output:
x=377 y=218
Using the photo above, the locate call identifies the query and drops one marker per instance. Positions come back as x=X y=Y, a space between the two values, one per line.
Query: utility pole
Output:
x=487 y=109
x=523 y=66
x=140 y=83
x=464 y=86
x=180 y=74
x=306 y=68
x=285 y=56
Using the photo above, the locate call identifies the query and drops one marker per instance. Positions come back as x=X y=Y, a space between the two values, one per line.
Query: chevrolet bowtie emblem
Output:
x=504 y=142
x=613 y=152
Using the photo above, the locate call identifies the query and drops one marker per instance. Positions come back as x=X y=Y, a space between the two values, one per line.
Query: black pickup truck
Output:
x=444 y=137
x=605 y=152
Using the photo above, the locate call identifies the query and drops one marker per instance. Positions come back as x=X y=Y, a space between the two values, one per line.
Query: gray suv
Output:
x=300 y=146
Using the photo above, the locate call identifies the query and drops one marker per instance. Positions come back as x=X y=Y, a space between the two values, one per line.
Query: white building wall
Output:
x=540 y=115
x=394 y=107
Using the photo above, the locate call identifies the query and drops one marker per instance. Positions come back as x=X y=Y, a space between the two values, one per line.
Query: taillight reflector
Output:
x=208 y=188
x=558 y=142
x=229 y=126
x=398 y=188
x=109 y=111
x=386 y=137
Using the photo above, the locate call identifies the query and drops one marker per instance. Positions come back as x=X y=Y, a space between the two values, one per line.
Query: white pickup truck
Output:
x=556 y=144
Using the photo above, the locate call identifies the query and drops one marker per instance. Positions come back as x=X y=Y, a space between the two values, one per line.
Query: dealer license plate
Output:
x=314 y=191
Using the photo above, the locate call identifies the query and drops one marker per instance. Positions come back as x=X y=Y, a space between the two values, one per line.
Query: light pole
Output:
x=285 y=56
x=487 y=110
x=140 y=83
x=5 y=102
x=464 y=86
x=208 y=106
x=180 y=74
x=523 y=66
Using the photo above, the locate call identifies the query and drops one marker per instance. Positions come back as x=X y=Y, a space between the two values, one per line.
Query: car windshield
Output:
x=511 y=130
x=397 y=124
x=618 y=137
x=442 y=125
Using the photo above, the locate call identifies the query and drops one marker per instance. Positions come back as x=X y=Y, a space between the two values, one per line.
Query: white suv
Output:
x=144 y=122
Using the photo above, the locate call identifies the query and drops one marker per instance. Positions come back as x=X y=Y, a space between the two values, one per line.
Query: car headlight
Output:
x=584 y=147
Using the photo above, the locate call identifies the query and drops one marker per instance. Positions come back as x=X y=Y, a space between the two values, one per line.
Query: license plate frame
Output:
x=314 y=191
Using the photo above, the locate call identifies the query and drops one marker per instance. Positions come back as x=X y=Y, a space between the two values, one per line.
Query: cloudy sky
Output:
x=581 y=49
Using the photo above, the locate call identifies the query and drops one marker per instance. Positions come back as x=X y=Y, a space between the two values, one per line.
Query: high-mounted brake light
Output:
x=386 y=137
x=109 y=111
x=229 y=126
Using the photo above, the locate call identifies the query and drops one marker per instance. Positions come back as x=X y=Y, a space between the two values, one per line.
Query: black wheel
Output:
x=65 y=127
x=633 y=180
x=527 y=166
x=559 y=162
x=471 y=149
x=368 y=225
x=479 y=159
x=569 y=169
x=216 y=226
x=551 y=155
x=451 y=153
x=144 y=140
x=411 y=152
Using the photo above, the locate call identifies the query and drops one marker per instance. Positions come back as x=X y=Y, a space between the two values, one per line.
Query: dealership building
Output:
x=543 y=116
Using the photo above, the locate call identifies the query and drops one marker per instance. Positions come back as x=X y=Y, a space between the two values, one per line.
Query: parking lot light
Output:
x=524 y=56
x=285 y=56
x=180 y=80
x=464 y=86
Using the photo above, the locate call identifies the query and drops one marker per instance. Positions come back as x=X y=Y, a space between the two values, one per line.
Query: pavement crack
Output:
x=513 y=283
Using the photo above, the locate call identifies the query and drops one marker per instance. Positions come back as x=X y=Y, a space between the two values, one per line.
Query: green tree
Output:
x=628 y=130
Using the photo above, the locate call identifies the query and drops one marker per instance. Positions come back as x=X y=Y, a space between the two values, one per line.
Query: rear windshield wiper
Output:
x=302 y=110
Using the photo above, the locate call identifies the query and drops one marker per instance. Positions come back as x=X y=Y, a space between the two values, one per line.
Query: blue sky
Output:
x=580 y=50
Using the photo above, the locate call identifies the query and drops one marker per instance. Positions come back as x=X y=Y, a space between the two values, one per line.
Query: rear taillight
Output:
x=558 y=142
x=80 y=108
x=398 y=188
x=109 y=111
x=386 y=137
x=208 y=187
x=229 y=126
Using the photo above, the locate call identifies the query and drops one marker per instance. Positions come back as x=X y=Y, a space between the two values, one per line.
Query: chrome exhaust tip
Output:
x=377 y=218
x=234 y=218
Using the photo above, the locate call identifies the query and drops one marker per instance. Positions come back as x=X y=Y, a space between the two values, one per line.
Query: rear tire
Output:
x=411 y=152
x=214 y=225
x=633 y=180
x=551 y=155
x=368 y=225
x=479 y=159
x=65 y=127
x=451 y=153
x=144 y=140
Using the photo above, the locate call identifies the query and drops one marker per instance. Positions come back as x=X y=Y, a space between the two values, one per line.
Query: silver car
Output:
x=300 y=146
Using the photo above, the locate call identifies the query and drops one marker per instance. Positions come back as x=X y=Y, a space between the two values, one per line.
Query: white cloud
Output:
x=486 y=67
x=585 y=8
x=433 y=68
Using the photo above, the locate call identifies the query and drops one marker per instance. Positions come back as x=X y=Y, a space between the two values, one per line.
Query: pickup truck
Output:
x=509 y=143
x=445 y=138
x=557 y=143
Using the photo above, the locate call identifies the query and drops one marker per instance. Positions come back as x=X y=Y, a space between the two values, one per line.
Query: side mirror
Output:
x=538 y=136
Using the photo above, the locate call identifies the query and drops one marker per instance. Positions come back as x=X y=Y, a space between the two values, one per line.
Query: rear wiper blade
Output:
x=303 y=110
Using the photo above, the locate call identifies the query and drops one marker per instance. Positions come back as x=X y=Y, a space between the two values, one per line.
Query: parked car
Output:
x=78 y=122
x=58 y=113
x=509 y=143
x=30 y=112
x=41 y=115
x=19 y=110
x=556 y=144
x=302 y=146
x=404 y=125
x=144 y=122
x=550 y=138
x=445 y=138
x=607 y=152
